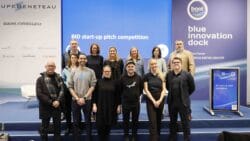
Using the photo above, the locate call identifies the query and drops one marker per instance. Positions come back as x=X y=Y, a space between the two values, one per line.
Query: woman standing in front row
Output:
x=106 y=103
x=154 y=86
x=115 y=62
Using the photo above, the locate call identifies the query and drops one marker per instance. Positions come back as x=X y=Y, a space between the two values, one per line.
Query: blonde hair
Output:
x=159 y=73
x=116 y=55
x=138 y=57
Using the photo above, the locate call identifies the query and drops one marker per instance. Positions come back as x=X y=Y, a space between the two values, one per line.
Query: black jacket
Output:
x=44 y=97
x=187 y=87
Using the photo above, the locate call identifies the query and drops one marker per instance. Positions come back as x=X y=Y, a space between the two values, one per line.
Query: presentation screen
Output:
x=120 y=23
x=225 y=85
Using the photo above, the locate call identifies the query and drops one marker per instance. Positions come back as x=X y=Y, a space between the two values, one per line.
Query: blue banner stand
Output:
x=209 y=108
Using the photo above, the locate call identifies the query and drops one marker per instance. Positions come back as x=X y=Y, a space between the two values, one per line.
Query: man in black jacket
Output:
x=49 y=91
x=131 y=89
x=180 y=85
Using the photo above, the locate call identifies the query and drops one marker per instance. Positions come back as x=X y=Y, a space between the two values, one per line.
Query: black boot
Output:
x=57 y=137
x=172 y=137
x=134 y=138
x=68 y=131
x=44 y=137
x=126 y=137
x=187 y=138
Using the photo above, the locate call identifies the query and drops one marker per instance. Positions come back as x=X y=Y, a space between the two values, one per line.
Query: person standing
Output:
x=106 y=103
x=72 y=50
x=49 y=92
x=188 y=63
x=131 y=89
x=71 y=66
x=161 y=63
x=180 y=85
x=95 y=60
x=81 y=85
x=136 y=58
x=115 y=62
x=155 y=88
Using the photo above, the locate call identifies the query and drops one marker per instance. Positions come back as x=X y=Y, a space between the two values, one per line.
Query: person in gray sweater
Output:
x=81 y=85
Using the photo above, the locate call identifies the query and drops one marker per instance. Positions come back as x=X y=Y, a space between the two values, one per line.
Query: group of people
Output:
x=110 y=87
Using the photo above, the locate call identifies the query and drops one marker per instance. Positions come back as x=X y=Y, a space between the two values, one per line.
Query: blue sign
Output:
x=224 y=88
x=120 y=23
x=215 y=32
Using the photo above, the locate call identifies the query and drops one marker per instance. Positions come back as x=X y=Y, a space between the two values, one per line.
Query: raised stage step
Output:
x=197 y=134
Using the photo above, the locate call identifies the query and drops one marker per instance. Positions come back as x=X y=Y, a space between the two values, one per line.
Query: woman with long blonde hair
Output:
x=154 y=86
x=137 y=59
x=115 y=62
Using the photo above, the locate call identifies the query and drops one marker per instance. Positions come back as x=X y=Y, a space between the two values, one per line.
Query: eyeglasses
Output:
x=106 y=71
x=176 y=62
x=178 y=44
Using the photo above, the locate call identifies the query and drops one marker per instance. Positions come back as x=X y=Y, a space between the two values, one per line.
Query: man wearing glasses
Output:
x=180 y=85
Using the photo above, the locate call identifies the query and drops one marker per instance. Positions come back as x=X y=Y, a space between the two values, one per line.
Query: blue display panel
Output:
x=225 y=89
x=119 y=23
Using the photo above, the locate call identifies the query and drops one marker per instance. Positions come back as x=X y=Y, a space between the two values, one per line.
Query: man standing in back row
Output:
x=186 y=56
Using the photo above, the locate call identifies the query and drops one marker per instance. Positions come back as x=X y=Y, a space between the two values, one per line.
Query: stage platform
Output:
x=20 y=118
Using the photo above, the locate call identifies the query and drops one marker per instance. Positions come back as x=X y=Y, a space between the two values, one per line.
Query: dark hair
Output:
x=177 y=58
x=153 y=56
x=129 y=62
x=98 y=48
x=82 y=54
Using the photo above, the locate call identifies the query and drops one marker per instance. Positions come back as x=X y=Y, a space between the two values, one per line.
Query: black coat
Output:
x=116 y=68
x=45 y=101
x=187 y=87
x=106 y=98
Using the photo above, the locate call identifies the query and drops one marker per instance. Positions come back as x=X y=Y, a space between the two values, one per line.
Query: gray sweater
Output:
x=81 y=81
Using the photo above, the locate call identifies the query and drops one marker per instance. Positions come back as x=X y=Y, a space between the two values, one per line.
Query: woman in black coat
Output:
x=106 y=103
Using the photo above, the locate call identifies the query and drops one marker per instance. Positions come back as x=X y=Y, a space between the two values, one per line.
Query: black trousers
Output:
x=56 y=117
x=76 y=110
x=185 y=115
x=67 y=108
x=154 y=116
x=135 y=111
x=103 y=131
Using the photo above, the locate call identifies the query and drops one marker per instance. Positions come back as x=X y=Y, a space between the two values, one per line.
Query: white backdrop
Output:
x=30 y=35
